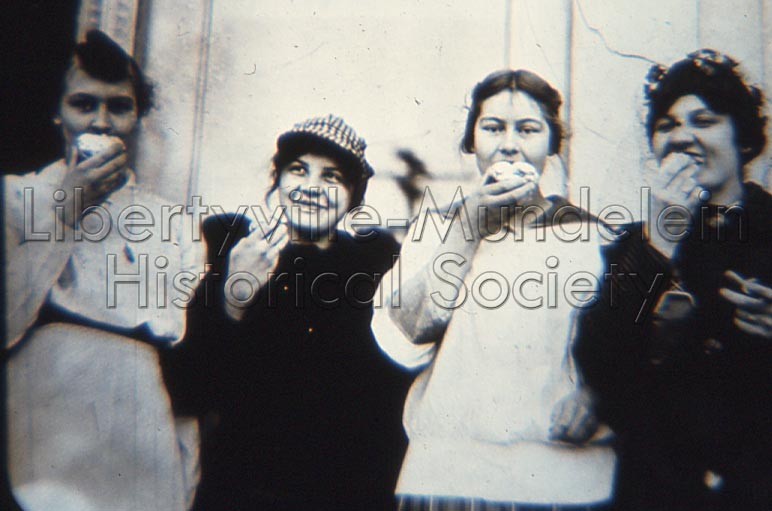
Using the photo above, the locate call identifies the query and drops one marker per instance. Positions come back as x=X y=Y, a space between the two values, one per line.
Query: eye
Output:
x=84 y=103
x=120 y=105
x=296 y=169
x=704 y=121
x=492 y=127
x=333 y=176
x=530 y=128
x=664 y=125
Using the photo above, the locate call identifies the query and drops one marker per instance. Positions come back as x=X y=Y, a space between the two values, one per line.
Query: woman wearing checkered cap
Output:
x=299 y=408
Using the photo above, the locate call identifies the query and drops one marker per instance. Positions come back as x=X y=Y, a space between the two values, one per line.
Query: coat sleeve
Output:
x=613 y=349
x=192 y=367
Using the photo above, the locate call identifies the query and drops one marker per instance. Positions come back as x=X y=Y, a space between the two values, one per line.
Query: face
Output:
x=315 y=193
x=90 y=105
x=691 y=127
x=511 y=127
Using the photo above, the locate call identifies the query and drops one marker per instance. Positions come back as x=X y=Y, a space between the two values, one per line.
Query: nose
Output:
x=681 y=137
x=309 y=187
x=510 y=144
x=101 y=124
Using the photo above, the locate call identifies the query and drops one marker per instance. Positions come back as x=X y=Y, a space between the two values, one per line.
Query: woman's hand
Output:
x=573 y=418
x=257 y=255
x=492 y=195
x=97 y=176
x=672 y=184
x=753 y=302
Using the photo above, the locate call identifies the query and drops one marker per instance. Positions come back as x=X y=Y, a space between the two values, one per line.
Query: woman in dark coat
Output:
x=679 y=349
x=298 y=407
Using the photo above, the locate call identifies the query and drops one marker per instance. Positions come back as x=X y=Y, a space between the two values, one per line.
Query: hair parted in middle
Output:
x=521 y=80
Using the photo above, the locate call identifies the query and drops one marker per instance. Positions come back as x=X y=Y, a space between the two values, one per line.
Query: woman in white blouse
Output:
x=91 y=260
x=484 y=305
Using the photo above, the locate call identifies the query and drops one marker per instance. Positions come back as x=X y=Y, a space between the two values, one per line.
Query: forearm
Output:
x=423 y=304
x=37 y=247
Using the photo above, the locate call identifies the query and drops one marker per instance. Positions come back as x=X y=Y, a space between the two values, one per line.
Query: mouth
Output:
x=696 y=156
x=309 y=207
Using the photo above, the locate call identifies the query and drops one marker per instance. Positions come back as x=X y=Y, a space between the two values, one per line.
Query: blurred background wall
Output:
x=232 y=75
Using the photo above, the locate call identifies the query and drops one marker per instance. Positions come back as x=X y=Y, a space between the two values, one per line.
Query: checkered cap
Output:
x=332 y=129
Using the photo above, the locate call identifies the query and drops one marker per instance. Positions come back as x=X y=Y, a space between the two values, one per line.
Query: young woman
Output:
x=496 y=419
x=89 y=420
x=299 y=408
x=683 y=375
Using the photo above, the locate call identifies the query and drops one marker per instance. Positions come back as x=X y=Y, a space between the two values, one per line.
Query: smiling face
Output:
x=90 y=105
x=316 y=194
x=511 y=127
x=709 y=138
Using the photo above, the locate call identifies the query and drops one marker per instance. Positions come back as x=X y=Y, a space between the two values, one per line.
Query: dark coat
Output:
x=299 y=406
x=688 y=394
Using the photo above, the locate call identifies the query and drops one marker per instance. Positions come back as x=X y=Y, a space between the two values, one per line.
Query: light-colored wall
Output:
x=233 y=75
x=613 y=44
x=397 y=71
x=610 y=45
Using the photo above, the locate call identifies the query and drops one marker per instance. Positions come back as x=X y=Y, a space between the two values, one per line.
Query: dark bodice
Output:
x=299 y=401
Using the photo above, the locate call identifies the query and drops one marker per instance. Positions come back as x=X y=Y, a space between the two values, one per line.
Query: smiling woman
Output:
x=299 y=408
x=320 y=173
x=685 y=381
x=314 y=189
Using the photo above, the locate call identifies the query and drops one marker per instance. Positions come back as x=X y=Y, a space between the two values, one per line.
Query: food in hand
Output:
x=90 y=144
x=507 y=170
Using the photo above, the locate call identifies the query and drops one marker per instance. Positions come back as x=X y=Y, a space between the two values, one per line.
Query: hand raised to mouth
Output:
x=255 y=255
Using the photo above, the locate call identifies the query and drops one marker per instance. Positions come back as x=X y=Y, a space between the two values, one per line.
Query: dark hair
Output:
x=532 y=84
x=102 y=58
x=715 y=79
x=293 y=145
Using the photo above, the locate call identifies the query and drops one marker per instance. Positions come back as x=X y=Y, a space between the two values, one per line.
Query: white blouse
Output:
x=140 y=271
x=478 y=415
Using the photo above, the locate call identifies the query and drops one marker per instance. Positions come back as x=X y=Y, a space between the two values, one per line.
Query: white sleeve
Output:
x=395 y=343
x=33 y=263
x=415 y=254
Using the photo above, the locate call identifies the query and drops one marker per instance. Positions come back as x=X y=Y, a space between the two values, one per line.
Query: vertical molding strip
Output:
x=116 y=18
x=89 y=17
x=119 y=21
x=569 y=88
x=202 y=79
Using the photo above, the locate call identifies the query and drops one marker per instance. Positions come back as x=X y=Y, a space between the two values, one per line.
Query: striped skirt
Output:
x=432 y=503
